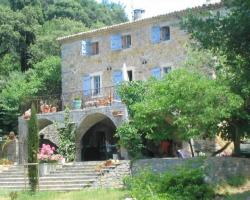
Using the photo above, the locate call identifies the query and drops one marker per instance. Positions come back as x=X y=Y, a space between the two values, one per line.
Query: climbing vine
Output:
x=67 y=137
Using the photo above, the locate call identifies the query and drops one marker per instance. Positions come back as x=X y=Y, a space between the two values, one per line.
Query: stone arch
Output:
x=48 y=129
x=42 y=123
x=86 y=123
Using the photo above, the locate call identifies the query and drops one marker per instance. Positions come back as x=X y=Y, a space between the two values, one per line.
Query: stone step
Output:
x=59 y=174
x=47 y=182
x=46 y=187
x=11 y=175
x=80 y=185
x=74 y=171
x=50 y=178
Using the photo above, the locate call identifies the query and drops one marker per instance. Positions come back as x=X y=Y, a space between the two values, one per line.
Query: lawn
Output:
x=78 y=195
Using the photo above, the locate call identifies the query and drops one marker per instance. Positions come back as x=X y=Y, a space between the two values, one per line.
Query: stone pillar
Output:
x=78 y=150
x=23 y=134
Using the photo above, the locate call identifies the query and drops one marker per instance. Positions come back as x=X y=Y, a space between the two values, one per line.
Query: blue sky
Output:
x=155 y=7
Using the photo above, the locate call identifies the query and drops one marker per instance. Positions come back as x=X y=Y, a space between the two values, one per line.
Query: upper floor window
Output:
x=92 y=84
x=90 y=48
x=126 y=41
x=159 y=34
x=119 y=41
x=158 y=72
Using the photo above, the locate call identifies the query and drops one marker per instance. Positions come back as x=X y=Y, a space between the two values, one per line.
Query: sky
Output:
x=156 y=7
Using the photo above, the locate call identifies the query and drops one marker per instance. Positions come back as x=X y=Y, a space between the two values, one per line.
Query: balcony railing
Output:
x=106 y=96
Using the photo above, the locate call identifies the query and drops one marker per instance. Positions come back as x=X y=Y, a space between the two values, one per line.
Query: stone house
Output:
x=95 y=62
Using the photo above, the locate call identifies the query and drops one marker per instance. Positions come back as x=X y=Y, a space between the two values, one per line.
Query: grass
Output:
x=237 y=181
x=239 y=196
x=235 y=189
x=99 y=194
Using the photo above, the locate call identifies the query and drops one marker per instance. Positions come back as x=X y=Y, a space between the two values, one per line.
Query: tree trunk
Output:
x=236 y=142
x=191 y=147
x=221 y=150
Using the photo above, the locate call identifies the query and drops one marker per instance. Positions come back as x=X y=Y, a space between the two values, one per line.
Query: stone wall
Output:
x=113 y=178
x=217 y=168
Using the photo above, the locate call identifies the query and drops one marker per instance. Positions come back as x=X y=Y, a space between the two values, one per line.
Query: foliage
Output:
x=179 y=184
x=44 y=78
x=67 y=137
x=131 y=138
x=226 y=35
x=47 y=154
x=33 y=146
x=183 y=105
x=236 y=181
x=131 y=93
x=46 y=35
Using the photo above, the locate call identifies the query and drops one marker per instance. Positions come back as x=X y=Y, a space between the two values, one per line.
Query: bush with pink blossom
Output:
x=47 y=154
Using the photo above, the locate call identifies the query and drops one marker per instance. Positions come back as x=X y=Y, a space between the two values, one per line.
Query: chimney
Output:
x=208 y=2
x=138 y=14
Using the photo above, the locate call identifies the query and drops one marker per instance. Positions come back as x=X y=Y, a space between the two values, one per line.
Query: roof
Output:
x=137 y=22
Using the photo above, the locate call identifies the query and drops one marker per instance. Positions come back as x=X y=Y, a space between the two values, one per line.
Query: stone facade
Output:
x=141 y=57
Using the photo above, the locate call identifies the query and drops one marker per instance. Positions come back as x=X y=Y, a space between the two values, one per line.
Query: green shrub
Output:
x=237 y=181
x=180 y=184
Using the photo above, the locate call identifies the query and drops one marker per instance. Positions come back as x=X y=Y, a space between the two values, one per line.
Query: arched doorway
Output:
x=48 y=133
x=98 y=142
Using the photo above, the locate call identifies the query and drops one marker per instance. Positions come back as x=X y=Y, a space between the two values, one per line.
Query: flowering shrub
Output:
x=47 y=154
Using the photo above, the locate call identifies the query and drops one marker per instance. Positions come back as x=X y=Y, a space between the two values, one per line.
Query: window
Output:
x=90 y=48
x=126 y=41
x=166 y=70
x=92 y=84
x=95 y=48
x=96 y=85
x=156 y=72
x=165 y=33
x=159 y=34
x=119 y=41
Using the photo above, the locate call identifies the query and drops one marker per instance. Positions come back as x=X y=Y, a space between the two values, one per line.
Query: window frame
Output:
x=88 y=49
x=125 y=38
x=165 y=37
x=92 y=84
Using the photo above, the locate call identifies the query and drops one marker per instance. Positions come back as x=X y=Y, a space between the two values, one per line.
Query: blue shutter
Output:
x=117 y=77
x=116 y=42
x=156 y=72
x=86 y=48
x=87 y=85
x=156 y=34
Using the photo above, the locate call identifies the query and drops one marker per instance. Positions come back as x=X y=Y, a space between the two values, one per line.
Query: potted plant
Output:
x=48 y=160
x=77 y=102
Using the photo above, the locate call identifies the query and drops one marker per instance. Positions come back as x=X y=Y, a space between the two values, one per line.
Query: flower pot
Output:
x=47 y=168
x=77 y=104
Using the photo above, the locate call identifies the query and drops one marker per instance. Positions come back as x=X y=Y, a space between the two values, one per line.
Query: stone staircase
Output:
x=69 y=177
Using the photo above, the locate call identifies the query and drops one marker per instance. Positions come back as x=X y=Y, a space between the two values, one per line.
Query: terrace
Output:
x=75 y=100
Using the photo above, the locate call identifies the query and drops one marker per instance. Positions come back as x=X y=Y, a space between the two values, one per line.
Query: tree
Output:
x=46 y=35
x=20 y=90
x=183 y=105
x=33 y=145
x=227 y=35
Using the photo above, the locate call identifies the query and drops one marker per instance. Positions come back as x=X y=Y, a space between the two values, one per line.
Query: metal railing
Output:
x=105 y=96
